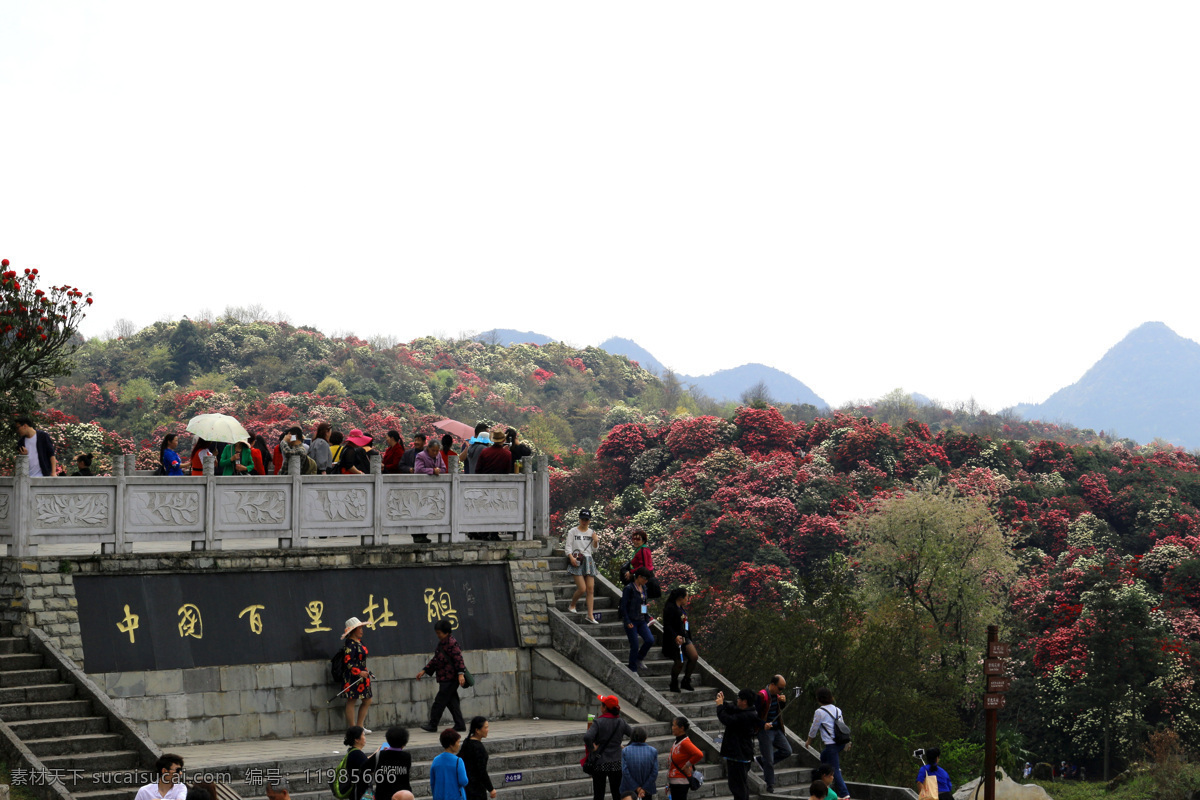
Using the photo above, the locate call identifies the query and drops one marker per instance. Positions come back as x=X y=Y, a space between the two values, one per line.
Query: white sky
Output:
x=956 y=198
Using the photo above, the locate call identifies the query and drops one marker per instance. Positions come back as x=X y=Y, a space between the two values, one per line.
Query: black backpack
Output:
x=337 y=665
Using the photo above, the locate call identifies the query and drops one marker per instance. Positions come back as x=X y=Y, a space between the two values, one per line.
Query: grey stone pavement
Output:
x=264 y=751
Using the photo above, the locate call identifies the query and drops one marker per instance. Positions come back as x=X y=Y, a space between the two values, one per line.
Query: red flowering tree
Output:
x=38 y=331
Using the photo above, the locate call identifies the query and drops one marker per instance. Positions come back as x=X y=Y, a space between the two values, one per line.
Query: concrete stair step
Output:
x=67 y=726
x=53 y=709
x=28 y=677
x=662 y=682
x=37 y=693
x=88 y=781
x=13 y=644
x=18 y=661
x=85 y=743
x=111 y=792
x=598 y=603
x=576 y=789
x=99 y=761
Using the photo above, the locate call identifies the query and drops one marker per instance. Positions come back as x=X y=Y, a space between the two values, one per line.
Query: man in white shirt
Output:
x=170 y=780
x=37 y=447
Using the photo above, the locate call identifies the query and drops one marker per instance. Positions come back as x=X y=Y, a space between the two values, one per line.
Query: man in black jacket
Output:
x=37 y=447
x=737 y=748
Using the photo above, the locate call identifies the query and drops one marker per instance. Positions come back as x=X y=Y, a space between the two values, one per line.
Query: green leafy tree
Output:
x=944 y=558
x=38 y=329
x=1124 y=658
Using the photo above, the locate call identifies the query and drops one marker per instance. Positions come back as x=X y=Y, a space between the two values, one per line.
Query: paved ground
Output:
x=220 y=754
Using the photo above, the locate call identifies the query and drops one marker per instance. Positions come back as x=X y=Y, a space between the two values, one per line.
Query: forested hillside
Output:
x=872 y=557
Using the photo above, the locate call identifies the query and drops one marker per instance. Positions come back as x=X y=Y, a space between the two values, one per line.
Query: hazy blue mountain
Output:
x=726 y=384
x=507 y=336
x=634 y=352
x=921 y=399
x=729 y=384
x=1147 y=386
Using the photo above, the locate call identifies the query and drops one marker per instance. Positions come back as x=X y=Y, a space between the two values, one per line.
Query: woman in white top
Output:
x=825 y=718
x=581 y=544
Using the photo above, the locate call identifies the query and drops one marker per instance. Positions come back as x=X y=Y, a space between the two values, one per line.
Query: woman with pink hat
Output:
x=355 y=676
x=356 y=458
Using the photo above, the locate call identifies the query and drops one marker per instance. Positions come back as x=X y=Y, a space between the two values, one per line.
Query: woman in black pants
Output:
x=604 y=735
x=677 y=640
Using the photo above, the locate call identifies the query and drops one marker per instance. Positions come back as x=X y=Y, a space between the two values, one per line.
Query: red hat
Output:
x=609 y=701
x=358 y=437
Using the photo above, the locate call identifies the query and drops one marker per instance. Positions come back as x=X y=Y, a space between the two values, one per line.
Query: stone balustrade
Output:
x=298 y=511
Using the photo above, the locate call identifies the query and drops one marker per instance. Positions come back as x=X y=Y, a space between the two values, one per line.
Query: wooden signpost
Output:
x=994 y=667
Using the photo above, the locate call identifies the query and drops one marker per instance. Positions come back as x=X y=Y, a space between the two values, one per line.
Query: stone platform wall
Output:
x=185 y=706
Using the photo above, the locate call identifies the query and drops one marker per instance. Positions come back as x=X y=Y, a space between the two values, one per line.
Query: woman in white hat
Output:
x=355 y=676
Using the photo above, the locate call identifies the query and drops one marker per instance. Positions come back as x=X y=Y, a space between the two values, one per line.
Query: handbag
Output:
x=695 y=778
x=929 y=788
x=468 y=678
x=591 y=761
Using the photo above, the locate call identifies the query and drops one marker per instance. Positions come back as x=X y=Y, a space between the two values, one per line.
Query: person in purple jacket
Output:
x=429 y=460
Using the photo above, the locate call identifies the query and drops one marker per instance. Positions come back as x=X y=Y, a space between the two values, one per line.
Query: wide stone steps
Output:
x=13 y=644
x=28 y=677
x=85 y=743
x=36 y=693
x=53 y=709
x=61 y=729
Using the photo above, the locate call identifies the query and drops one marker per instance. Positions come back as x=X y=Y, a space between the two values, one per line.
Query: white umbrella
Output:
x=217 y=428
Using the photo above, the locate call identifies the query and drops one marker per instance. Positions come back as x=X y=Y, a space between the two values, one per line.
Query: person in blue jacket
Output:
x=930 y=767
x=635 y=613
x=171 y=462
x=447 y=772
x=639 y=767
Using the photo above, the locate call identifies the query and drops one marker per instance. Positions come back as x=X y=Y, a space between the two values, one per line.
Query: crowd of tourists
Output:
x=325 y=451
x=754 y=716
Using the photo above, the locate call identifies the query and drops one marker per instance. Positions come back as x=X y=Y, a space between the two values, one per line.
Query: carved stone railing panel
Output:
x=332 y=506
x=408 y=506
x=254 y=507
x=488 y=502
x=172 y=508
x=73 y=511
x=7 y=504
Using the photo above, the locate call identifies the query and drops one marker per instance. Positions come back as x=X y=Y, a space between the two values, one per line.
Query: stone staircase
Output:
x=64 y=730
x=792 y=777
x=548 y=766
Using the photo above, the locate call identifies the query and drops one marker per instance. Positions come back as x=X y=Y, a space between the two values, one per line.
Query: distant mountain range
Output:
x=1147 y=386
x=722 y=386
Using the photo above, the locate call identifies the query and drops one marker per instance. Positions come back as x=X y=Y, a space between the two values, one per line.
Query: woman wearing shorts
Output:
x=581 y=544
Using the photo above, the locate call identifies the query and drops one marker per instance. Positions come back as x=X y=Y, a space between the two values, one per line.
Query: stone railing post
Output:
x=541 y=513
x=455 y=476
x=118 y=545
x=526 y=475
x=376 y=536
x=130 y=463
x=210 y=506
x=22 y=510
x=293 y=456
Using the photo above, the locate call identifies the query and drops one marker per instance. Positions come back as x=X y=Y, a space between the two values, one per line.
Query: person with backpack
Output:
x=351 y=779
x=391 y=766
x=773 y=744
x=169 y=462
x=349 y=666
x=930 y=769
x=835 y=735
